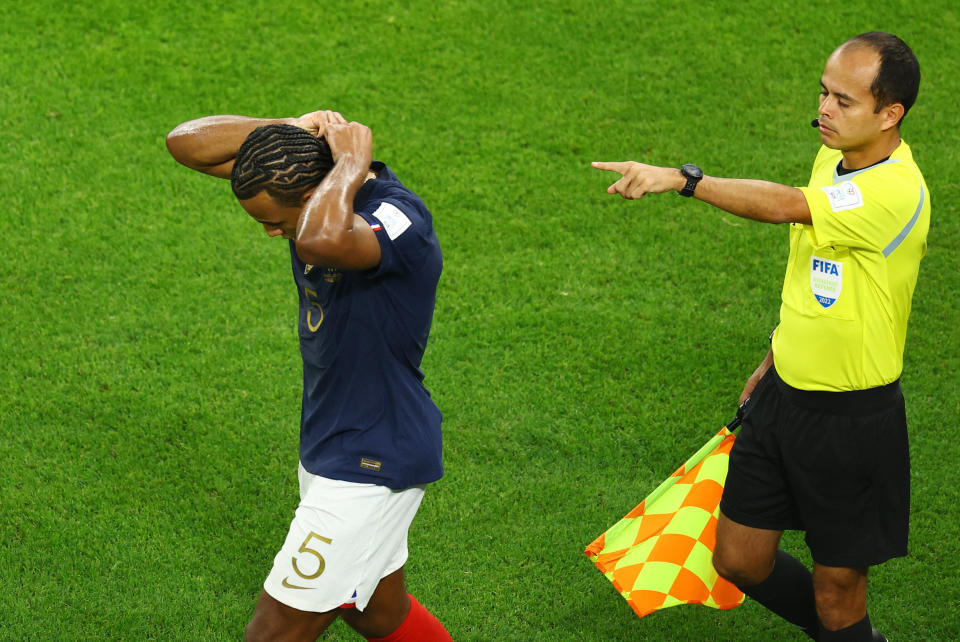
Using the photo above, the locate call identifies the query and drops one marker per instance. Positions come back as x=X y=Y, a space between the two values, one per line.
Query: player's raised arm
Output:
x=210 y=144
x=757 y=200
x=329 y=232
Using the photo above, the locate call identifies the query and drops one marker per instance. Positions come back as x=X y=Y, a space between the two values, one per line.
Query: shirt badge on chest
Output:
x=826 y=280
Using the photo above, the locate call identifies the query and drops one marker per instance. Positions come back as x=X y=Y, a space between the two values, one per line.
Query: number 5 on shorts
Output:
x=306 y=549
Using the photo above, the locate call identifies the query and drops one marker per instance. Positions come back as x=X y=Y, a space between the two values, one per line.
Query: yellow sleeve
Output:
x=869 y=211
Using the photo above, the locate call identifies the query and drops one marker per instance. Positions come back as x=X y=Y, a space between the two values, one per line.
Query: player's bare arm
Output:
x=757 y=200
x=210 y=144
x=329 y=233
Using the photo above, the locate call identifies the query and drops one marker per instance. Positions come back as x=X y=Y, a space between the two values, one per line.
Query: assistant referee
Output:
x=823 y=446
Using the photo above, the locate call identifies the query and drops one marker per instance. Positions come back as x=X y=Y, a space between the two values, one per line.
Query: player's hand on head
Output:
x=350 y=139
x=637 y=179
x=316 y=122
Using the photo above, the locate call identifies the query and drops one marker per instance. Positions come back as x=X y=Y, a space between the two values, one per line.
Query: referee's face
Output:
x=847 y=118
x=276 y=219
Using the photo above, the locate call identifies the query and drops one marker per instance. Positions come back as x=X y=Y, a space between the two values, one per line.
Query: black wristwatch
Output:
x=693 y=174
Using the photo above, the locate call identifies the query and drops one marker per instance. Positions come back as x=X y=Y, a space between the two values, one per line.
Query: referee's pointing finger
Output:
x=620 y=167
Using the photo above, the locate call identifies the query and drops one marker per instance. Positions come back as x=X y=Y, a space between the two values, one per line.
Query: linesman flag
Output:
x=661 y=553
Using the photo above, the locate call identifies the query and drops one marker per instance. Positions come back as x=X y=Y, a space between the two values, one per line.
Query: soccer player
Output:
x=823 y=444
x=366 y=264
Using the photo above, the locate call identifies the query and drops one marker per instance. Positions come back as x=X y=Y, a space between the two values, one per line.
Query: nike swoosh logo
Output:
x=294 y=586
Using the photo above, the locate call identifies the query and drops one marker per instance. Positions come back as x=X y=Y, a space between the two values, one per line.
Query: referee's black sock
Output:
x=788 y=592
x=859 y=632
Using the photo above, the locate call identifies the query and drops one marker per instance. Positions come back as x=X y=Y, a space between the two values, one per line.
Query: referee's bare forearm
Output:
x=757 y=200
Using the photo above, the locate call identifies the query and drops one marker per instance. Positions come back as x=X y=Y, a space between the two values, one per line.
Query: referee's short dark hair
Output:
x=898 y=80
x=284 y=160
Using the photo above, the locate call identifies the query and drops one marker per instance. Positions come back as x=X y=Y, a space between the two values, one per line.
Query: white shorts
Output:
x=344 y=538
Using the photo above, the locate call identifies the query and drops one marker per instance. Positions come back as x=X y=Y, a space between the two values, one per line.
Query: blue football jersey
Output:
x=366 y=415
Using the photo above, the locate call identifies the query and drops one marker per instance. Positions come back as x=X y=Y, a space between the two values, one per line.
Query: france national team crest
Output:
x=826 y=280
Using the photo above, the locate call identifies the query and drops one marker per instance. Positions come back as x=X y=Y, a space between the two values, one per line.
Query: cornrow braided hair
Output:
x=284 y=160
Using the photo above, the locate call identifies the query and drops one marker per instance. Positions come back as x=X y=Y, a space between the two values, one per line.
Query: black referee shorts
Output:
x=833 y=464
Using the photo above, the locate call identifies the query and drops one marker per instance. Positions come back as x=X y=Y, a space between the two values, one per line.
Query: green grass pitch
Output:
x=582 y=348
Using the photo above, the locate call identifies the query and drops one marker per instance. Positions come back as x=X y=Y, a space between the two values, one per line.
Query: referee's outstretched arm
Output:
x=757 y=200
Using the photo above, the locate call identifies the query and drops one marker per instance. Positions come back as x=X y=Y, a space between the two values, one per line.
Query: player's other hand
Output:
x=316 y=122
x=638 y=180
x=353 y=140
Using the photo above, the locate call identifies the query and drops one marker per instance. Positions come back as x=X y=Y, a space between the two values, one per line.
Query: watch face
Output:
x=691 y=171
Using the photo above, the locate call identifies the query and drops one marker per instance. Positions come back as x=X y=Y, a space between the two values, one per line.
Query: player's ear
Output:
x=306 y=196
x=891 y=116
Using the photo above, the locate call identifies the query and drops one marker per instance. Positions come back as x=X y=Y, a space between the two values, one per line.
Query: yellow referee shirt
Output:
x=850 y=276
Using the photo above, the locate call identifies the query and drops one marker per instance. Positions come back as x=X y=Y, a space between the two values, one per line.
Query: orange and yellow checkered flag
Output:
x=661 y=553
